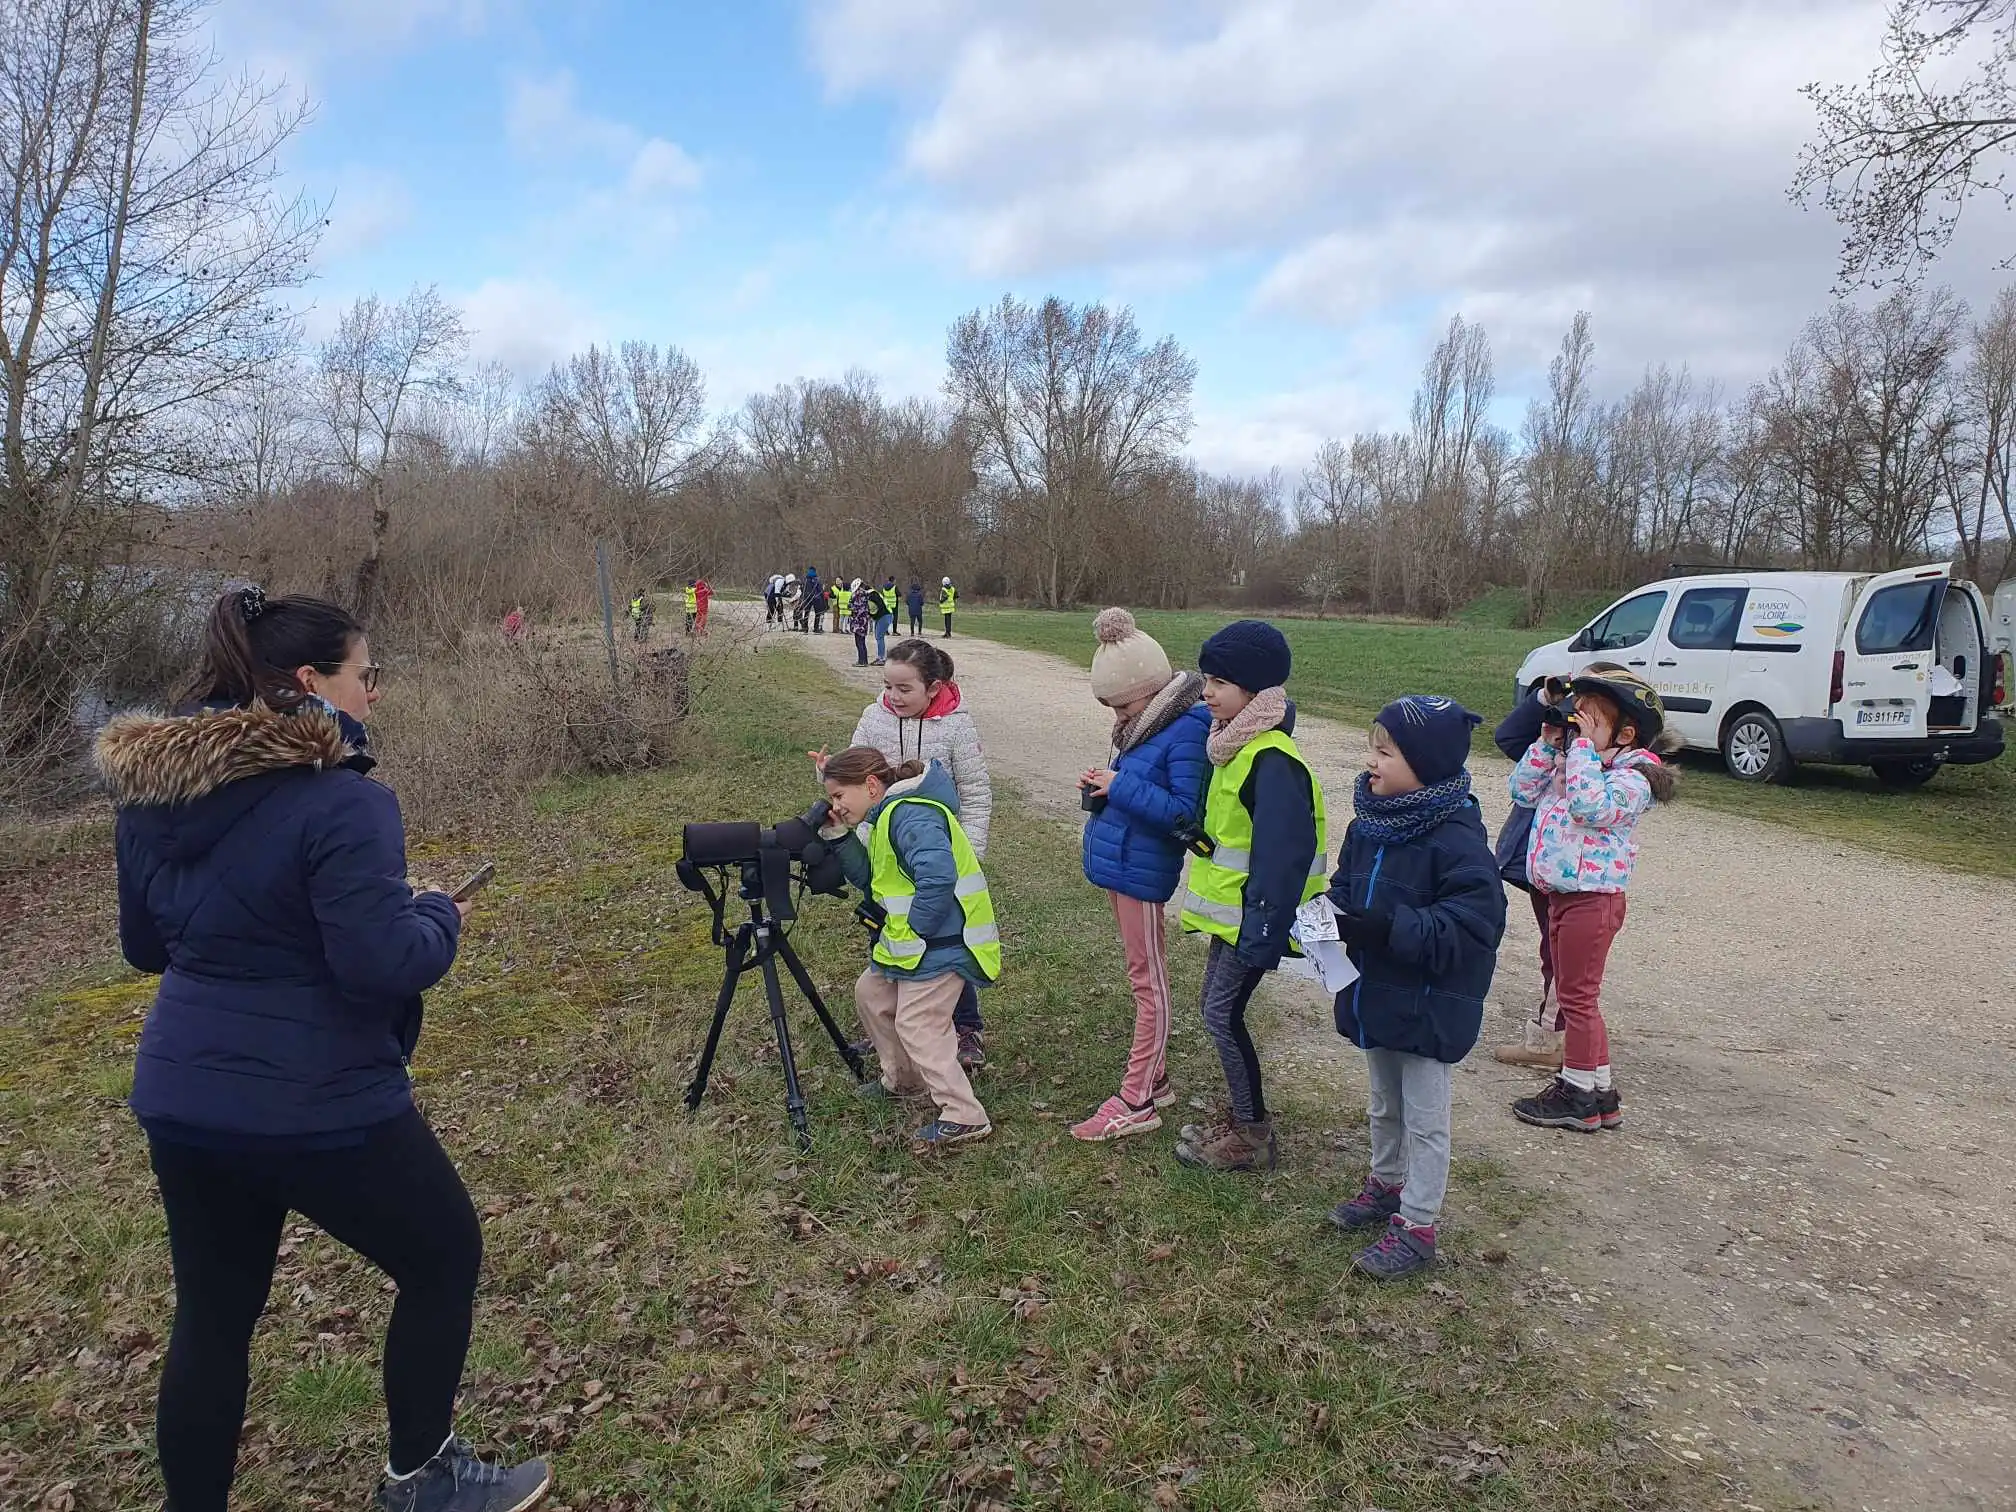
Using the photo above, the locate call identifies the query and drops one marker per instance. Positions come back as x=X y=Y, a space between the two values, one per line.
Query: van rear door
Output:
x=2002 y=645
x=1886 y=654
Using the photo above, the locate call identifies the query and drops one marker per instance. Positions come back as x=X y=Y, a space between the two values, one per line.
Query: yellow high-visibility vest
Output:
x=1216 y=901
x=898 y=946
x=948 y=600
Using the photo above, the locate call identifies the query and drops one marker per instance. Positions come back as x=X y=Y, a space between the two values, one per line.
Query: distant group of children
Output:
x=1206 y=763
x=861 y=610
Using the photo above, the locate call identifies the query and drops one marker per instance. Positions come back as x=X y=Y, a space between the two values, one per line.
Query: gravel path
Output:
x=1811 y=1201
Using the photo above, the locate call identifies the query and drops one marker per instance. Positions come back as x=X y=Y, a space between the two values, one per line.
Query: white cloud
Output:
x=660 y=167
x=543 y=119
x=1383 y=162
x=368 y=205
x=645 y=181
x=528 y=324
x=302 y=39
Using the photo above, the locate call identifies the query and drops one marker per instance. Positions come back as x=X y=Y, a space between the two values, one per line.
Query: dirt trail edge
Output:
x=1812 y=1195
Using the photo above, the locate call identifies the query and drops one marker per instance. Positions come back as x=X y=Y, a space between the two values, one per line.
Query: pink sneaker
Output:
x=1115 y=1120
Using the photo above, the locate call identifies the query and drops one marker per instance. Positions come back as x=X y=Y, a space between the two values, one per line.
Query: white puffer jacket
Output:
x=946 y=734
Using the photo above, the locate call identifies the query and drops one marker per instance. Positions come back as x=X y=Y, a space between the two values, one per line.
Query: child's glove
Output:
x=1366 y=929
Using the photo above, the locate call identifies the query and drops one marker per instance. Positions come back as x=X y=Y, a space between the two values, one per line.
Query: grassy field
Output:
x=688 y=1313
x=1966 y=817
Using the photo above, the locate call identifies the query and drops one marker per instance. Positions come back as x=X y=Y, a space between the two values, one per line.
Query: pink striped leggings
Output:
x=1143 y=936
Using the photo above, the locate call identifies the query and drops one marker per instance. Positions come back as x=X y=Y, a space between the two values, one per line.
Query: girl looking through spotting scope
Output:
x=898 y=836
x=921 y=715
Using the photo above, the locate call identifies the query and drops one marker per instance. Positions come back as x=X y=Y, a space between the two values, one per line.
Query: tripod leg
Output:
x=794 y=1098
x=804 y=981
x=738 y=959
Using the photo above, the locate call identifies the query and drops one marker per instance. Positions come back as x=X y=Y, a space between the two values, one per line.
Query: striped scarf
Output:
x=1392 y=821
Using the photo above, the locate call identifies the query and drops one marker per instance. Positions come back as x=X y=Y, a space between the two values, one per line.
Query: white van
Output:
x=1899 y=671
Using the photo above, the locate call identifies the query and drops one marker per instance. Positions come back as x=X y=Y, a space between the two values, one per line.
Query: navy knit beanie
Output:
x=1251 y=653
x=1433 y=733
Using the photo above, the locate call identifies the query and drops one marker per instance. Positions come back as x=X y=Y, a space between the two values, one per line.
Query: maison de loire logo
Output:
x=1777 y=616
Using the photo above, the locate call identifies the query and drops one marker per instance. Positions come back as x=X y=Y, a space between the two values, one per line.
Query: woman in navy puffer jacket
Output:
x=262 y=876
x=1140 y=806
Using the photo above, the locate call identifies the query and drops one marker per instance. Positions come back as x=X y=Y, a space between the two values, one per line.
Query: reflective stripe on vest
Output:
x=1215 y=903
x=898 y=945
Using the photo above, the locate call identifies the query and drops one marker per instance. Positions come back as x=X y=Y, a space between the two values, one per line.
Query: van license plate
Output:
x=1872 y=717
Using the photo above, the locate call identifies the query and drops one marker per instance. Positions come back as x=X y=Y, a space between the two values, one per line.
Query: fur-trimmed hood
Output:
x=158 y=759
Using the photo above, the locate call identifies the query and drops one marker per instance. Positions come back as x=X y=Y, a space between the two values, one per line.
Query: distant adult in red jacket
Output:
x=705 y=591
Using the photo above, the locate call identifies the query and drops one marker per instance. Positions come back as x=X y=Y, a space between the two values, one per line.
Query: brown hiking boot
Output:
x=1540 y=1049
x=1236 y=1147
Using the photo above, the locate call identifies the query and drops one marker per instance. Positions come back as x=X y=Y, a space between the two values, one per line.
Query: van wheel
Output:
x=1912 y=772
x=1753 y=748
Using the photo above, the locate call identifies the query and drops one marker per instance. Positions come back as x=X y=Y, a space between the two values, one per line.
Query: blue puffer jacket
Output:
x=923 y=843
x=264 y=879
x=1130 y=844
x=1424 y=993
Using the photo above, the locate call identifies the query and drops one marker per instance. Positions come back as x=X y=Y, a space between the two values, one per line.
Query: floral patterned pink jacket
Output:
x=1585 y=814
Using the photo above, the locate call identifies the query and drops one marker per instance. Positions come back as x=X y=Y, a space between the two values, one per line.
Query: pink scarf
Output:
x=1230 y=737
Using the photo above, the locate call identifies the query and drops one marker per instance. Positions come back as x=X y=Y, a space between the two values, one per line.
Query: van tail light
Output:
x=1834 y=686
x=2001 y=693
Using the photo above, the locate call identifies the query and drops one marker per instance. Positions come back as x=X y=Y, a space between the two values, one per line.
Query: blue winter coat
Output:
x=1516 y=732
x=923 y=844
x=264 y=879
x=1424 y=992
x=1130 y=844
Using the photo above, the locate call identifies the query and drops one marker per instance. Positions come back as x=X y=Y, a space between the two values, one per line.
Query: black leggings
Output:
x=395 y=1200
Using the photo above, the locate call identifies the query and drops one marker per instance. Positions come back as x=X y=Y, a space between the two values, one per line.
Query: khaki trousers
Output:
x=911 y=1025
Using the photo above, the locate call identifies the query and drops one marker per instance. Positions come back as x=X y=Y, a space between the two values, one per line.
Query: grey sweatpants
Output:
x=1410 y=1129
x=1228 y=987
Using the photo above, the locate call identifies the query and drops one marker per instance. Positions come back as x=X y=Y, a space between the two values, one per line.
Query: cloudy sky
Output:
x=1301 y=191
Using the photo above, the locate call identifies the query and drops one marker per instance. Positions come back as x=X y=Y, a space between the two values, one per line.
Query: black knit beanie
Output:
x=1251 y=653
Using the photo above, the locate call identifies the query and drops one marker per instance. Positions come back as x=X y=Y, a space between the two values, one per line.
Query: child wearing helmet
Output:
x=1589 y=778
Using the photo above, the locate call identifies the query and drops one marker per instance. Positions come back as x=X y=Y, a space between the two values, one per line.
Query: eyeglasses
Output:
x=367 y=674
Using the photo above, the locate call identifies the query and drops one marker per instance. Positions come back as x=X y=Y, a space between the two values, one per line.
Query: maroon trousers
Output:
x=1580 y=927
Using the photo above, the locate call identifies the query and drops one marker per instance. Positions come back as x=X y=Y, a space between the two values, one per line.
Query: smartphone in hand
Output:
x=478 y=880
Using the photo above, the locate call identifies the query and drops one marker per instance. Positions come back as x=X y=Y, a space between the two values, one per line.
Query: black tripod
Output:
x=762 y=942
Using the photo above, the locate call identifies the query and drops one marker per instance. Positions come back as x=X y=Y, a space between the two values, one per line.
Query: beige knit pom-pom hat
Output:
x=1129 y=663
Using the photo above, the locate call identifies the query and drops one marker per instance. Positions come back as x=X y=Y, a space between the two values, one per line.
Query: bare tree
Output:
x=1899 y=155
x=142 y=238
x=1069 y=411
x=1983 y=464
x=1560 y=472
x=382 y=359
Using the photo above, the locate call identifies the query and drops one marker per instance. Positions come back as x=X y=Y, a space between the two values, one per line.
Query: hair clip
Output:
x=251 y=602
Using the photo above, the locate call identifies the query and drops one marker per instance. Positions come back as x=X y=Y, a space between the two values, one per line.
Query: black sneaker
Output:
x=456 y=1481
x=1561 y=1107
x=1610 y=1108
x=972 y=1049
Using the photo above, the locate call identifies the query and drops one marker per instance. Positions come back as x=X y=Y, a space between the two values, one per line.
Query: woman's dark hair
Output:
x=857 y=764
x=253 y=645
x=933 y=664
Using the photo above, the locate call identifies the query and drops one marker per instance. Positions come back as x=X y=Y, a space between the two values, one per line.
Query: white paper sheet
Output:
x=1315 y=930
